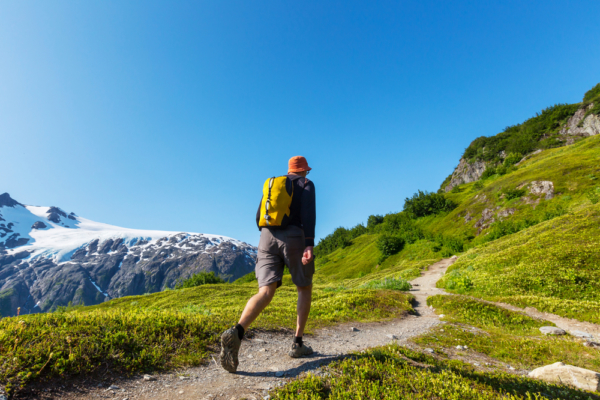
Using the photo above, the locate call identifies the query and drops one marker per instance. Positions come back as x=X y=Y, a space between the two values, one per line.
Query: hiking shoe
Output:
x=230 y=346
x=300 y=351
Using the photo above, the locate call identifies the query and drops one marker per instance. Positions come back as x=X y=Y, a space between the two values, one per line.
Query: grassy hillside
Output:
x=163 y=330
x=530 y=251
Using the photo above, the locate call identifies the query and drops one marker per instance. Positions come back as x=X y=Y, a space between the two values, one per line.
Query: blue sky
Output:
x=170 y=115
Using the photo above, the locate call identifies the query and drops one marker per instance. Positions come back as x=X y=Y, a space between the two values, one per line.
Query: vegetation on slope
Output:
x=504 y=335
x=163 y=330
x=399 y=373
x=539 y=267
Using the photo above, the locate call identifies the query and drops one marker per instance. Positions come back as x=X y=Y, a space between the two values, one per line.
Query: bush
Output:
x=202 y=278
x=512 y=159
x=478 y=185
x=422 y=204
x=401 y=224
x=340 y=238
x=522 y=138
x=510 y=194
x=374 y=220
x=389 y=245
x=489 y=172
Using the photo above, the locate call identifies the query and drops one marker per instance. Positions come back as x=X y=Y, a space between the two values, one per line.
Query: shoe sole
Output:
x=229 y=360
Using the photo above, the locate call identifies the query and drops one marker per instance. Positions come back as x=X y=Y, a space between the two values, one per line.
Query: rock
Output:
x=112 y=387
x=466 y=172
x=592 y=345
x=441 y=316
x=353 y=329
x=149 y=378
x=181 y=392
x=552 y=330
x=7 y=201
x=511 y=368
x=39 y=225
x=559 y=372
x=581 y=334
x=580 y=125
x=390 y=336
x=476 y=364
x=546 y=188
x=184 y=378
x=429 y=350
x=459 y=347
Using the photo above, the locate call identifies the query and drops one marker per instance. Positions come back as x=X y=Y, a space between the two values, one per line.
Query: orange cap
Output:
x=298 y=164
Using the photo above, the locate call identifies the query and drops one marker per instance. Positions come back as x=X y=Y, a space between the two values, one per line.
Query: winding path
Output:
x=264 y=363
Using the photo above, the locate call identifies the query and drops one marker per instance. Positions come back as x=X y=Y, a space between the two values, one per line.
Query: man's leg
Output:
x=303 y=308
x=257 y=304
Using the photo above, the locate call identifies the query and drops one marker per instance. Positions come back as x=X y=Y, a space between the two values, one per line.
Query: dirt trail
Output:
x=574 y=327
x=264 y=363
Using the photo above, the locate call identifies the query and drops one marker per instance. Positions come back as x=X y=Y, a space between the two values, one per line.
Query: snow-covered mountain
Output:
x=49 y=257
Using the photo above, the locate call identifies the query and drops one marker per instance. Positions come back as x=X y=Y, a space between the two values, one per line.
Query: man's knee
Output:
x=268 y=291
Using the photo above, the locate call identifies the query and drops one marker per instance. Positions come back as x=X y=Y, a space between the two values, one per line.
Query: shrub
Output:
x=389 y=245
x=489 y=172
x=512 y=159
x=401 y=224
x=478 y=185
x=510 y=194
x=422 y=204
x=202 y=278
x=374 y=220
x=340 y=238
x=522 y=138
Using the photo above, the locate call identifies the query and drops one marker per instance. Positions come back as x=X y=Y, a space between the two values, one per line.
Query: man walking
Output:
x=291 y=246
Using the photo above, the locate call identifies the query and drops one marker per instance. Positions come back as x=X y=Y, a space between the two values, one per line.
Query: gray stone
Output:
x=353 y=329
x=552 y=330
x=545 y=188
x=569 y=375
x=581 y=334
x=466 y=172
x=591 y=344
x=149 y=378
x=580 y=125
x=429 y=350
x=390 y=336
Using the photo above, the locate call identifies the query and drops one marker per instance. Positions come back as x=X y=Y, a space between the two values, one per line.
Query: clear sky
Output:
x=171 y=114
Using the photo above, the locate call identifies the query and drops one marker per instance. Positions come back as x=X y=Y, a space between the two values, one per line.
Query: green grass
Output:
x=504 y=335
x=394 y=372
x=62 y=344
x=553 y=266
x=164 y=330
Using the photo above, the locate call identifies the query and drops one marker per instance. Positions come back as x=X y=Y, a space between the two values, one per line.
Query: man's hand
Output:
x=308 y=255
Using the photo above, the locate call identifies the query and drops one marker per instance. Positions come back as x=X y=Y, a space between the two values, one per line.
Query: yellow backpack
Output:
x=276 y=202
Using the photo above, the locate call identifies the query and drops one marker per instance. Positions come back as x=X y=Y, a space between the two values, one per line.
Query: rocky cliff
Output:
x=581 y=122
x=49 y=257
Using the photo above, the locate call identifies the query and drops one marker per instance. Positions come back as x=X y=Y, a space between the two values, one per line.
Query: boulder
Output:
x=552 y=330
x=39 y=225
x=559 y=372
x=580 y=334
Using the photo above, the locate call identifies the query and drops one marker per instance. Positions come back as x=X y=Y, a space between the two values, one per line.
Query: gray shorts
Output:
x=280 y=247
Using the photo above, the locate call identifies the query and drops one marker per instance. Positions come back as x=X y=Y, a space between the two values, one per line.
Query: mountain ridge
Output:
x=50 y=258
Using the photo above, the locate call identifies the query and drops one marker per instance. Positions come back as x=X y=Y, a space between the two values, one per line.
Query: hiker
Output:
x=286 y=218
